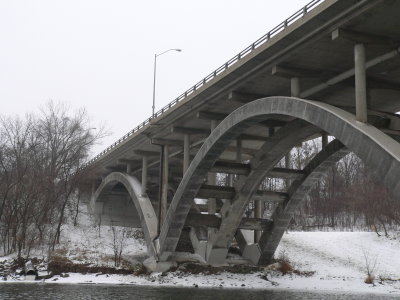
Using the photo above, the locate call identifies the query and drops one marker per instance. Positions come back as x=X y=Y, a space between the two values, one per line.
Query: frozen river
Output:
x=83 y=291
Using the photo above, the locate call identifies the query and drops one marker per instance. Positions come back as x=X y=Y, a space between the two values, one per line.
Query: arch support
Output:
x=380 y=152
x=142 y=204
x=266 y=158
x=299 y=189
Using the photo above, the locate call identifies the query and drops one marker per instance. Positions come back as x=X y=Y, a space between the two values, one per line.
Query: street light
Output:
x=155 y=69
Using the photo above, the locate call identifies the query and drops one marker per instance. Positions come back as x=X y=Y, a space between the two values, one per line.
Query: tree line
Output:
x=348 y=197
x=41 y=157
x=40 y=160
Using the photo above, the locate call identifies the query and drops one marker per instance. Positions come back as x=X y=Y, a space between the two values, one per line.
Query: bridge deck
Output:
x=303 y=49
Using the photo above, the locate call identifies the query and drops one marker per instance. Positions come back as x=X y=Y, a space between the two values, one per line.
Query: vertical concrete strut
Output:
x=380 y=152
x=239 y=150
x=160 y=188
x=360 y=83
x=164 y=195
x=324 y=139
x=295 y=87
x=258 y=205
x=258 y=209
x=211 y=179
x=144 y=175
x=288 y=158
x=186 y=152
x=282 y=215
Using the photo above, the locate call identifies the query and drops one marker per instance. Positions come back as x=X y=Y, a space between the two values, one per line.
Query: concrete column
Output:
x=295 y=87
x=287 y=166
x=93 y=188
x=144 y=175
x=239 y=150
x=360 y=83
x=257 y=214
x=186 y=152
x=212 y=202
x=271 y=131
x=211 y=180
x=238 y=159
x=164 y=195
x=324 y=139
x=128 y=168
x=258 y=205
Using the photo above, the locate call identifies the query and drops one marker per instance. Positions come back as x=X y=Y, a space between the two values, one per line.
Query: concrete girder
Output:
x=292 y=72
x=349 y=73
x=361 y=37
x=244 y=97
x=377 y=150
x=228 y=192
x=142 y=203
x=209 y=115
x=285 y=173
x=206 y=220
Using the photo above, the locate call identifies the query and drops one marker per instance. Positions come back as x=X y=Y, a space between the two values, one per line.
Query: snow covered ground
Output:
x=337 y=258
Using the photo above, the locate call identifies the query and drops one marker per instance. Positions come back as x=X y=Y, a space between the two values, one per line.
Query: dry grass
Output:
x=60 y=264
x=369 y=279
x=285 y=267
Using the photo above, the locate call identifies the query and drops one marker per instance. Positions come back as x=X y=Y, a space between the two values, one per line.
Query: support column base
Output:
x=252 y=253
x=198 y=237
x=217 y=257
x=152 y=265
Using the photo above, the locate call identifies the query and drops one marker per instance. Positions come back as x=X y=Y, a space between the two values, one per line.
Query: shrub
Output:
x=369 y=279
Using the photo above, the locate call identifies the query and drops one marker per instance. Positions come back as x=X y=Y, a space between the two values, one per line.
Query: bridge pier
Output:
x=360 y=83
x=164 y=185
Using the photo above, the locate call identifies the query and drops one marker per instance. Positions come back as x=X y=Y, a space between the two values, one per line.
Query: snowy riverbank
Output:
x=337 y=258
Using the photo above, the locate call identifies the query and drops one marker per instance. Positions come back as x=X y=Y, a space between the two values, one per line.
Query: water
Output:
x=118 y=292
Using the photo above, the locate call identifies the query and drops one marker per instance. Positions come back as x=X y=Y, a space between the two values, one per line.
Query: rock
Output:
x=273 y=267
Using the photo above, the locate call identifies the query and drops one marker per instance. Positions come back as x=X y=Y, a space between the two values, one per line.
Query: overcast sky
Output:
x=99 y=54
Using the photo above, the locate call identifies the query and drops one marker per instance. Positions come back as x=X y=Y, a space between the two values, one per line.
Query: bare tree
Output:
x=370 y=264
x=120 y=237
x=40 y=167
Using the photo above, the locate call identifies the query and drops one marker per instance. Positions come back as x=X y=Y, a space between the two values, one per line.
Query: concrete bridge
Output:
x=332 y=68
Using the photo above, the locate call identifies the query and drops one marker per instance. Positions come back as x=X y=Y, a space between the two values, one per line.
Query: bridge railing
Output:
x=265 y=38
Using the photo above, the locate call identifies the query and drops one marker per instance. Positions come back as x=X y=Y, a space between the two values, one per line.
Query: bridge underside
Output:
x=213 y=233
x=167 y=175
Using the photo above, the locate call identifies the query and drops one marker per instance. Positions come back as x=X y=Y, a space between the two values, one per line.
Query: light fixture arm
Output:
x=154 y=75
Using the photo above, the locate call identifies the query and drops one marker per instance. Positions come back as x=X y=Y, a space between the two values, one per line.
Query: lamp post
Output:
x=155 y=71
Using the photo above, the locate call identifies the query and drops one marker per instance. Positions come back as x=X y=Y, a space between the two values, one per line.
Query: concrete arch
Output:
x=266 y=158
x=282 y=215
x=144 y=208
x=317 y=167
x=380 y=152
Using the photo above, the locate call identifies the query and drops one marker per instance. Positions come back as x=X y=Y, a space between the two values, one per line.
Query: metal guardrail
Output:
x=265 y=38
